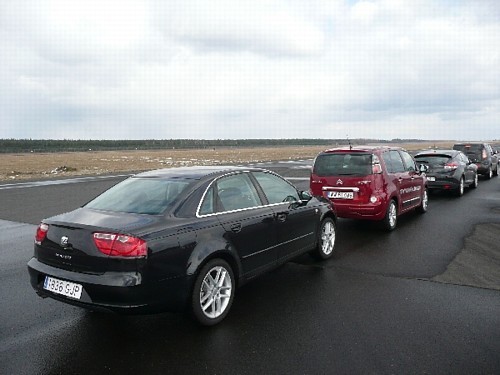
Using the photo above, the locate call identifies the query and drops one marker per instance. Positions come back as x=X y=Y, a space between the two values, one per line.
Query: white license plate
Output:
x=341 y=194
x=66 y=288
x=430 y=178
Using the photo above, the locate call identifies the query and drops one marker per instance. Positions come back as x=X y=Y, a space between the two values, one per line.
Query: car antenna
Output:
x=349 y=141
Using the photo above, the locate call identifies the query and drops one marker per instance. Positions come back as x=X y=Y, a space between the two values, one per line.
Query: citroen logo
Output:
x=340 y=182
x=64 y=241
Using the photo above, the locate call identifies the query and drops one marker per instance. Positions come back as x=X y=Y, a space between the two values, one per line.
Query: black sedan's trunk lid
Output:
x=69 y=242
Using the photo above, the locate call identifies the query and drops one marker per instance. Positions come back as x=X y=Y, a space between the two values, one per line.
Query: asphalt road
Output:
x=378 y=306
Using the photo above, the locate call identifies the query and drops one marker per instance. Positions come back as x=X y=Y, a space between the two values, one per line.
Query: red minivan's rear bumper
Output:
x=370 y=211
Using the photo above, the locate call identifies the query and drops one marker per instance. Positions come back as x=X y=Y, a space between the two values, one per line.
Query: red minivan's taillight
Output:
x=115 y=244
x=376 y=167
x=41 y=233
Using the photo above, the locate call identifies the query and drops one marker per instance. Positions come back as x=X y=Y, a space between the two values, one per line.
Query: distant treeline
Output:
x=57 y=145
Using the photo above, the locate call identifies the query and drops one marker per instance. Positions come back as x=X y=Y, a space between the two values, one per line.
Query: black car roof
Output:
x=194 y=173
x=438 y=152
x=361 y=149
x=470 y=143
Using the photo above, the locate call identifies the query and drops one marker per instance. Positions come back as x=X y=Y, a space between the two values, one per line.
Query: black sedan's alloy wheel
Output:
x=213 y=292
x=326 y=239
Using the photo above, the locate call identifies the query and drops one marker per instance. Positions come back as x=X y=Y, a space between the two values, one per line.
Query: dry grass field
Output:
x=35 y=166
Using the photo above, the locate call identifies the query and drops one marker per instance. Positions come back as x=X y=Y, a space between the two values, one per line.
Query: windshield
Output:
x=140 y=196
x=344 y=164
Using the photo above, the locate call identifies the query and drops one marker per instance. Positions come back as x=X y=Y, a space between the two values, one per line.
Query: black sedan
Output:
x=448 y=170
x=176 y=239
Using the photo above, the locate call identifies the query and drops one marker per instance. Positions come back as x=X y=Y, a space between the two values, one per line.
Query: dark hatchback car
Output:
x=448 y=170
x=483 y=155
x=178 y=238
x=370 y=182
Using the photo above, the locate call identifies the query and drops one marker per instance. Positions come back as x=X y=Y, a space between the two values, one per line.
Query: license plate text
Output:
x=65 y=288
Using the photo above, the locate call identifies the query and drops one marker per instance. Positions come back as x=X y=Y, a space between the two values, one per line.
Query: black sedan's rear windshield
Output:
x=433 y=160
x=140 y=195
x=343 y=164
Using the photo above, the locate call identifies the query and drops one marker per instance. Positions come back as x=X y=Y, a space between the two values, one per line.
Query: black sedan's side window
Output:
x=275 y=188
x=208 y=207
x=236 y=192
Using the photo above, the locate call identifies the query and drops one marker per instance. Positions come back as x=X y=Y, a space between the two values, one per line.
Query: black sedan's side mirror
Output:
x=305 y=196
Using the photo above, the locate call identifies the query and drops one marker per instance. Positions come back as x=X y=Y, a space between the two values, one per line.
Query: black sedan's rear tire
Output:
x=213 y=292
x=326 y=240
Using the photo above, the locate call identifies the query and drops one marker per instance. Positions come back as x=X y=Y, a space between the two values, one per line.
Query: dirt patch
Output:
x=35 y=166
x=42 y=166
x=478 y=264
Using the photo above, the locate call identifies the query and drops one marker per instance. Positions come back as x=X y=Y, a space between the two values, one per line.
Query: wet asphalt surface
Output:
x=372 y=308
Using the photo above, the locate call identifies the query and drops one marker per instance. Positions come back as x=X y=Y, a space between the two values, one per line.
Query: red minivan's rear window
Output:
x=343 y=164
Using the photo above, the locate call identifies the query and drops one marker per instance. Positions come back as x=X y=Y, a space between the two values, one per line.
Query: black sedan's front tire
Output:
x=326 y=240
x=213 y=292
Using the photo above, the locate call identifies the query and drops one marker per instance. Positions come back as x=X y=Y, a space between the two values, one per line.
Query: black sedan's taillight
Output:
x=41 y=233
x=115 y=244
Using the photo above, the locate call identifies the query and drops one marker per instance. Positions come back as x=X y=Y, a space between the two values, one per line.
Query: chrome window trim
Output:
x=233 y=211
x=241 y=209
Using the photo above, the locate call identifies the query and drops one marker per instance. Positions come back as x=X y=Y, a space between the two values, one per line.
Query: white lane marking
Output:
x=21 y=185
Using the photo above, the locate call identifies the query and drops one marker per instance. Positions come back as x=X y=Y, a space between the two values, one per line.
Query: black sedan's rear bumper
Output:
x=120 y=292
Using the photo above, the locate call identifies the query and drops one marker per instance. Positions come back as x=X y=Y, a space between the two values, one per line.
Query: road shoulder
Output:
x=478 y=264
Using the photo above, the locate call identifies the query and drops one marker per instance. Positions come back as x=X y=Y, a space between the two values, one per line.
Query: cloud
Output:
x=261 y=27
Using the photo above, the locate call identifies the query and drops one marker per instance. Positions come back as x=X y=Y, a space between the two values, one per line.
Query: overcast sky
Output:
x=226 y=69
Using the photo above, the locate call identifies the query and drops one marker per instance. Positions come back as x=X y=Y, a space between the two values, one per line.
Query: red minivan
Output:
x=370 y=182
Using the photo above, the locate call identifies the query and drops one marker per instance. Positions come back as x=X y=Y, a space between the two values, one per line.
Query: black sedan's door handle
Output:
x=282 y=216
x=236 y=227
